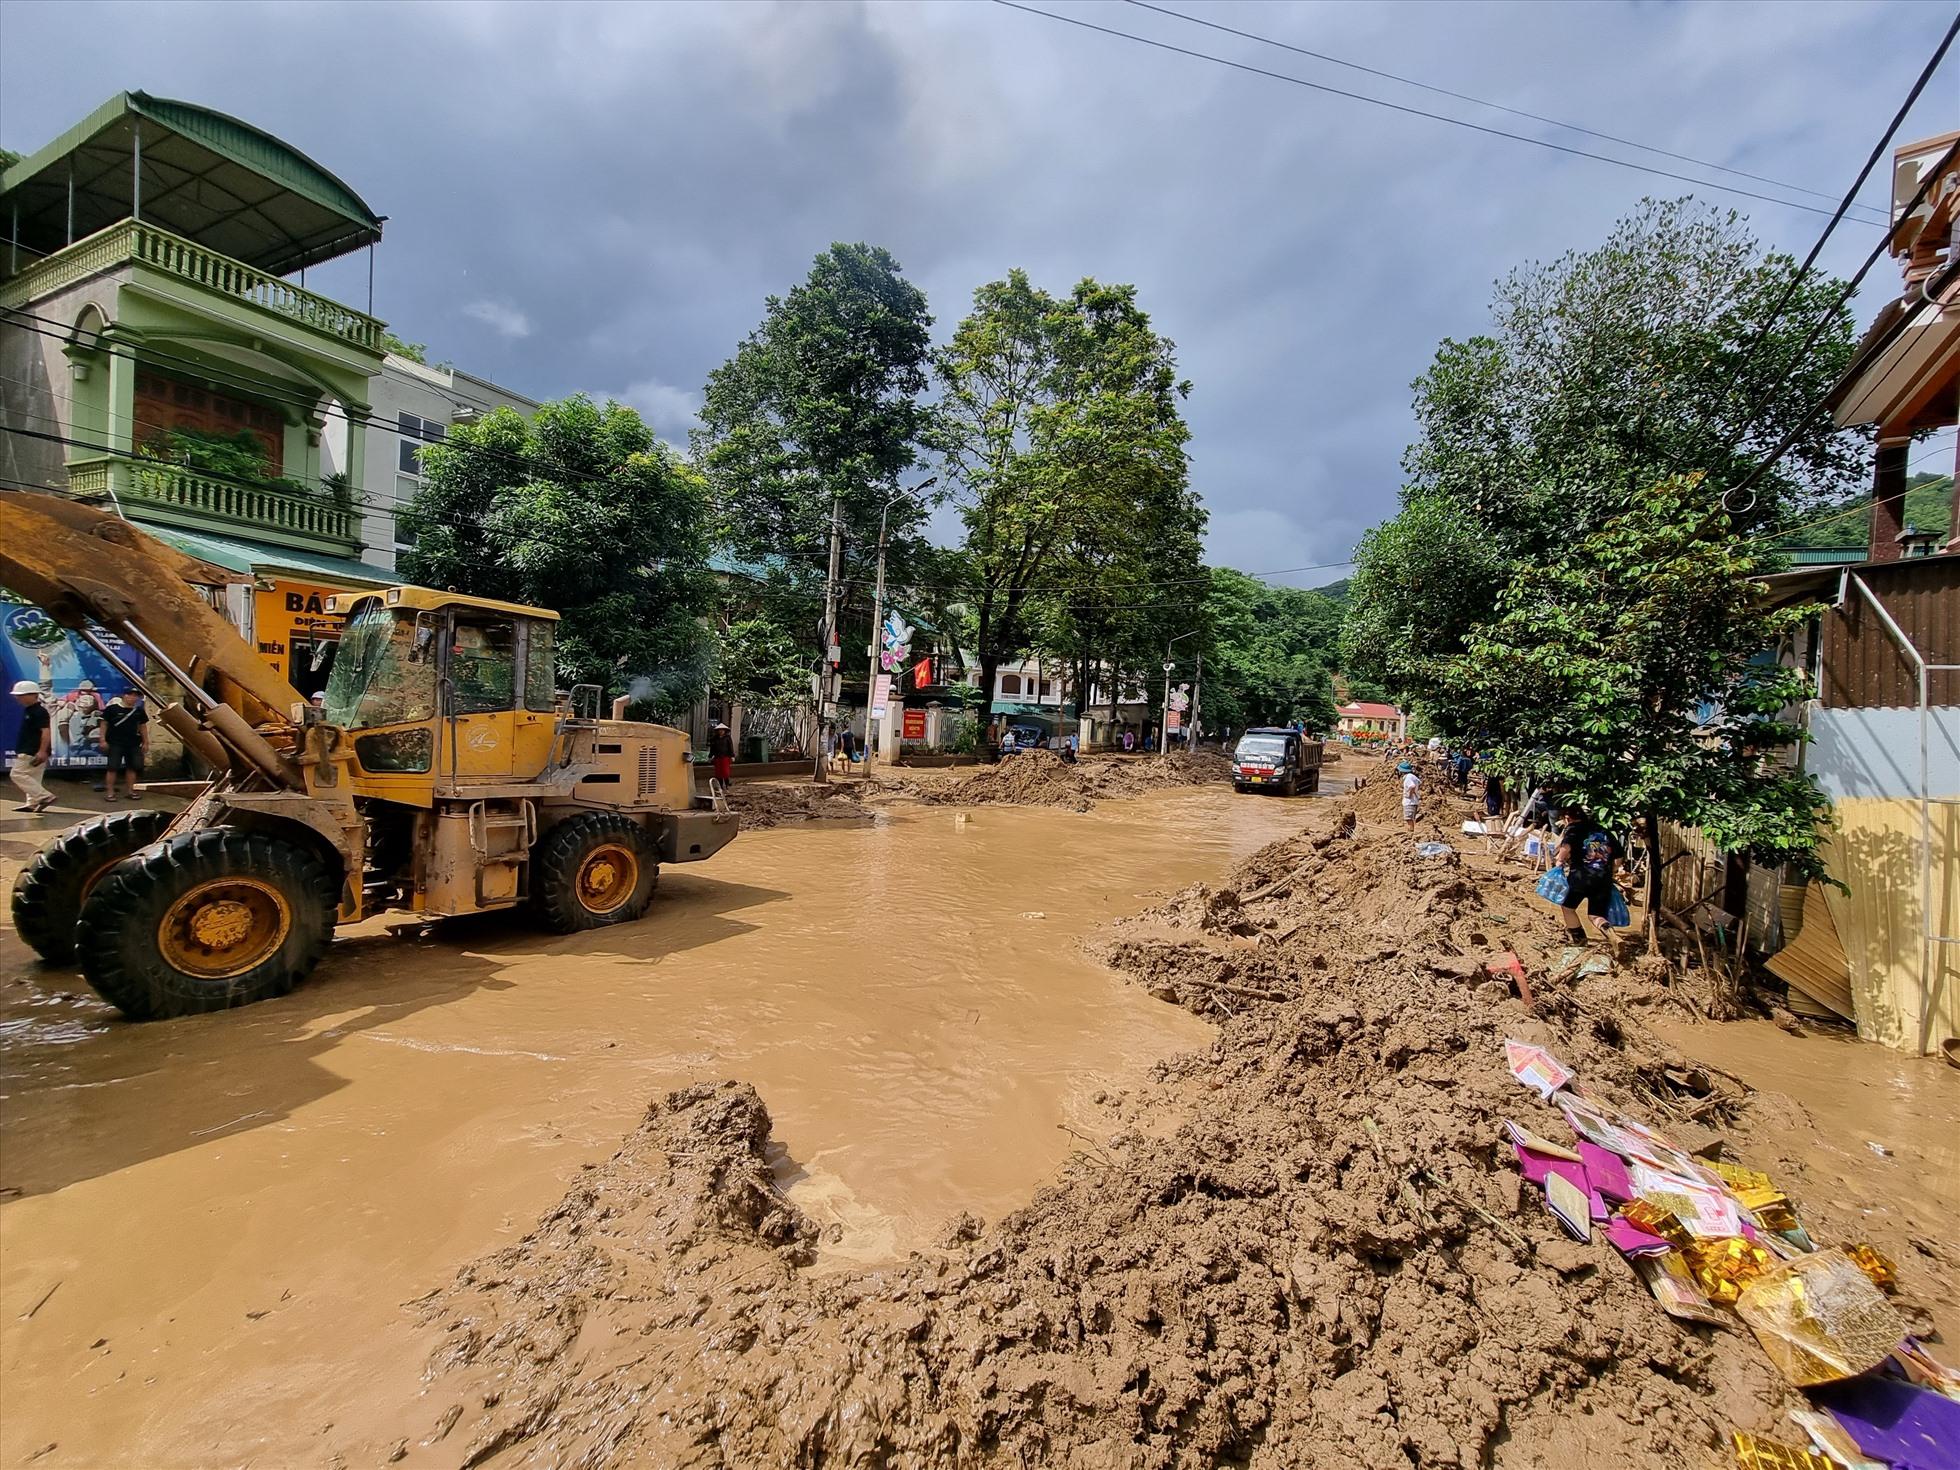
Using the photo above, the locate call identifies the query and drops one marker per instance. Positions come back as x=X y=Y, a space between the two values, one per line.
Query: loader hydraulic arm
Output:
x=84 y=566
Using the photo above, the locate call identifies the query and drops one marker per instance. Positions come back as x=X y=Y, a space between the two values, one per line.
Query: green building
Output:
x=159 y=350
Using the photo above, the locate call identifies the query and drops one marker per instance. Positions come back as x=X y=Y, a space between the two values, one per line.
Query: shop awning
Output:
x=257 y=559
x=1014 y=710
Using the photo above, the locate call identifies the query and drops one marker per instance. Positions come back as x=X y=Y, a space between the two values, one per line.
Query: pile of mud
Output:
x=1043 y=778
x=773 y=803
x=1328 y=1263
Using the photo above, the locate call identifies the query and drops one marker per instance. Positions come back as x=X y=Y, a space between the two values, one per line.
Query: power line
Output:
x=1825 y=317
x=1042 y=591
x=1486 y=102
x=1279 y=76
x=1871 y=162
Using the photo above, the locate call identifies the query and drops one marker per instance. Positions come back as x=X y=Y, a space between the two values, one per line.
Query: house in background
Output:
x=1364 y=722
x=159 y=360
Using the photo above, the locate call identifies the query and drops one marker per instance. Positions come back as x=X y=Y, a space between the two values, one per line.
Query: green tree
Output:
x=1060 y=431
x=1929 y=507
x=1628 y=673
x=1604 y=372
x=819 y=405
x=1422 y=583
x=582 y=510
x=1269 y=653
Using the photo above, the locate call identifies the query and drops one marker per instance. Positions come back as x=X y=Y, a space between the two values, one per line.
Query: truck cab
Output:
x=1278 y=759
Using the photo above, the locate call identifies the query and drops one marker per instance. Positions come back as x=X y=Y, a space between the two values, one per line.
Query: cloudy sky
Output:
x=599 y=197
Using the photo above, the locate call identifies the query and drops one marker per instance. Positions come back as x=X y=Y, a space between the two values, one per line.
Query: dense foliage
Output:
x=820 y=403
x=1060 y=433
x=1269 y=654
x=1629 y=674
x=1604 y=373
x=1571 y=583
x=582 y=510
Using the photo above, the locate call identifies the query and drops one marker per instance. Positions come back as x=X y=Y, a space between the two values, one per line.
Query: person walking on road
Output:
x=31 y=747
x=1411 y=794
x=125 y=741
x=721 y=752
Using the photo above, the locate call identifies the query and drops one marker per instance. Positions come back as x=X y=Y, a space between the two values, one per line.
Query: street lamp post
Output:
x=878 y=619
x=1164 y=725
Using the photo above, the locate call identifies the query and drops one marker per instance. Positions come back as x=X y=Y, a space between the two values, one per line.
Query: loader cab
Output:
x=440 y=691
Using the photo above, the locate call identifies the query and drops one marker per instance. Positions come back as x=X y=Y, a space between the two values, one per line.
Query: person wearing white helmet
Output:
x=31 y=747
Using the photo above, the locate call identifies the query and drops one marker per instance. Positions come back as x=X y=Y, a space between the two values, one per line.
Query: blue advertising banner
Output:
x=75 y=682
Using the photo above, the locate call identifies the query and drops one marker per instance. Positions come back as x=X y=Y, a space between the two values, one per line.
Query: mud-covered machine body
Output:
x=442 y=776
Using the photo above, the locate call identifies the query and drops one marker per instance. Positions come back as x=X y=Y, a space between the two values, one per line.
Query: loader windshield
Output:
x=385 y=673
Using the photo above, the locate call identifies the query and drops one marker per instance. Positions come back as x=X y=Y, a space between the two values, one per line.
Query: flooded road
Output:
x=208 y=1227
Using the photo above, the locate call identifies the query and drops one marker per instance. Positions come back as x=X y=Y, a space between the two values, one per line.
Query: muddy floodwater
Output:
x=209 y=1227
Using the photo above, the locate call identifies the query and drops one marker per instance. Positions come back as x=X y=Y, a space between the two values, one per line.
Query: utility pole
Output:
x=827 y=675
x=1197 y=691
x=878 y=619
x=1164 y=723
x=1164 y=742
x=877 y=645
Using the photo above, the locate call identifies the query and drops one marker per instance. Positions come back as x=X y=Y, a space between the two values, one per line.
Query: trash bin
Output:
x=755 y=749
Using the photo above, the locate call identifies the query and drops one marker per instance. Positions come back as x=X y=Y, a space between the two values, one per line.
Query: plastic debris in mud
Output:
x=1896 y=1423
x=1536 y=1068
x=1714 y=1242
x=1753 y=1452
x=1820 y=1319
x=1433 y=849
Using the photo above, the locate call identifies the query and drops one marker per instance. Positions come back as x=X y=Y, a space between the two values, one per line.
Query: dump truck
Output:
x=444 y=775
x=1276 y=758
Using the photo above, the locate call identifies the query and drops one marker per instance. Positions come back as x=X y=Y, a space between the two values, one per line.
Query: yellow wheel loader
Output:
x=443 y=776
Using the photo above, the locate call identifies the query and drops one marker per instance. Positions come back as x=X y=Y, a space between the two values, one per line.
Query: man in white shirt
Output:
x=1411 y=794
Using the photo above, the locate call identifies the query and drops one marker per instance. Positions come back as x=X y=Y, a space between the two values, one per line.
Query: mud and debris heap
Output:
x=1330 y=1262
x=763 y=804
x=1043 y=778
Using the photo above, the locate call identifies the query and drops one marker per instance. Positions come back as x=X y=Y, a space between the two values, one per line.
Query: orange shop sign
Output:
x=285 y=613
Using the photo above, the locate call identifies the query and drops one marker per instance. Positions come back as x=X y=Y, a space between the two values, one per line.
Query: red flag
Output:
x=922 y=673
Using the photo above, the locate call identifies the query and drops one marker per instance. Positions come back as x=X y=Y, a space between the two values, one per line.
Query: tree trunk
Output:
x=1653 y=883
x=989 y=668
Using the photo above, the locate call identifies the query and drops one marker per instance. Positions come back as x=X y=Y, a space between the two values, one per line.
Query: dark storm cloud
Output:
x=599 y=198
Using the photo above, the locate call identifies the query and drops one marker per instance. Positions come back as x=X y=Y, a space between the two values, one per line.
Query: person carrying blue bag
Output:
x=1583 y=874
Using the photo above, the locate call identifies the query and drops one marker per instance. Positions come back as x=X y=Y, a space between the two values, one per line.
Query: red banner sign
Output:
x=914 y=726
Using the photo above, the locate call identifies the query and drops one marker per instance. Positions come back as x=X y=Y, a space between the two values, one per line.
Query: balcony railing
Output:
x=133 y=242
x=178 y=496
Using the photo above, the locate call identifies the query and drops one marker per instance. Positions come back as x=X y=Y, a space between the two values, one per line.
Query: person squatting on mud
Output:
x=1588 y=853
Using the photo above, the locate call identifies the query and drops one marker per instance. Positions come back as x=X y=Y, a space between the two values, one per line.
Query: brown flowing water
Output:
x=209 y=1227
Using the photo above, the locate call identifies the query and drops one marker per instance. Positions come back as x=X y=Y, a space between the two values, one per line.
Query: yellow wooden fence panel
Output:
x=1876 y=853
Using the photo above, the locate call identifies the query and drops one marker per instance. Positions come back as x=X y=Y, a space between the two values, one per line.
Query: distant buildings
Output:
x=1364 y=722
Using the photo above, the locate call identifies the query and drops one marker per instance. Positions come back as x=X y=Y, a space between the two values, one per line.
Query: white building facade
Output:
x=415 y=404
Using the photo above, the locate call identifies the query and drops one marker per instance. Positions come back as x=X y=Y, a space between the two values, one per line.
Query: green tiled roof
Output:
x=238 y=555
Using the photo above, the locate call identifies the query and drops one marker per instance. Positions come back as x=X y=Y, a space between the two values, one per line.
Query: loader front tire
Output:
x=204 y=921
x=594 y=869
x=50 y=891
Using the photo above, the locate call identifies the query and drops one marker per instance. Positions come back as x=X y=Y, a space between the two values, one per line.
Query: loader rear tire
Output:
x=594 y=869
x=204 y=921
x=50 y=891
